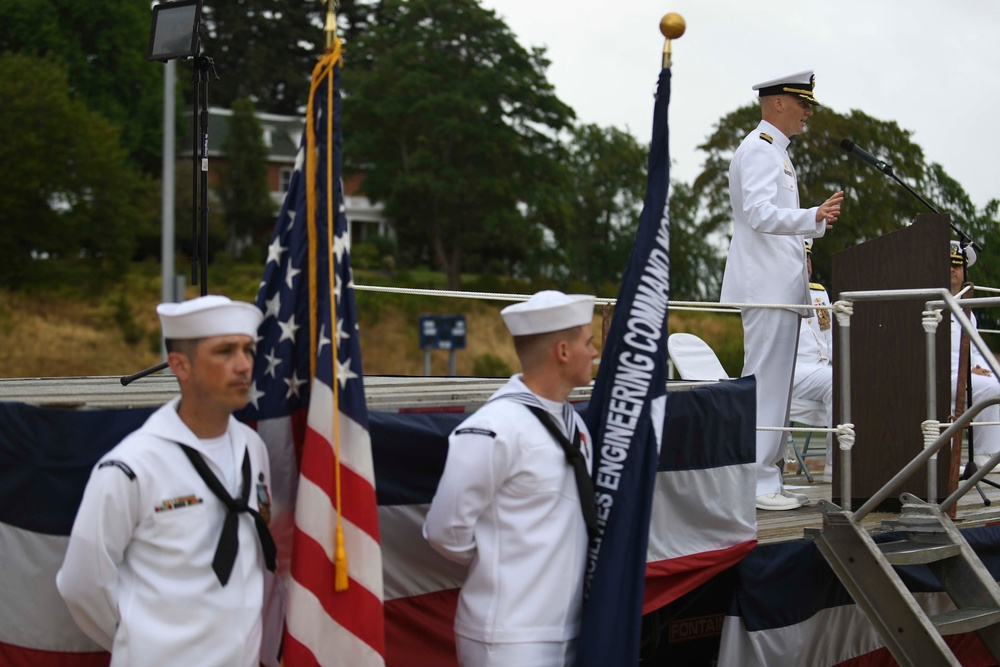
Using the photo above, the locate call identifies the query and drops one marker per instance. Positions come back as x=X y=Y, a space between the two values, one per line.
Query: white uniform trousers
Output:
x=472 y=653
x=770 y=340
x=818 y=386
x=985 y=439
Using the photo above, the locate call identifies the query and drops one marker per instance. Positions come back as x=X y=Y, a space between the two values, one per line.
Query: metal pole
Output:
x=195 y=135
x=844 y=355
x=452 y=372
x=203 y=195
x=427 y=363
x=931 y=409
x=167 y=292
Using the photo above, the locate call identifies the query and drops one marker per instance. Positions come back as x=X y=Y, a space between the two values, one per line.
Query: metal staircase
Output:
x=866 y=570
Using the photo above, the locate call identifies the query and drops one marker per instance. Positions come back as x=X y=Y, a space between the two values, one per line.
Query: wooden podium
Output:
x=888 y=359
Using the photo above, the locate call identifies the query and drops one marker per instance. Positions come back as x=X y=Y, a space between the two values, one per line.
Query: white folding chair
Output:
x=694 y=359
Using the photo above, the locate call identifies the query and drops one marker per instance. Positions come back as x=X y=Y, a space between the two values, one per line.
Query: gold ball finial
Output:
x=672 y=25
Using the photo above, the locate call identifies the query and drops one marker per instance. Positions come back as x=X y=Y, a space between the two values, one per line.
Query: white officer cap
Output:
x=800 y=84
x=548 y=310
x=956 y=254
x=208 y=316
x=809 y=246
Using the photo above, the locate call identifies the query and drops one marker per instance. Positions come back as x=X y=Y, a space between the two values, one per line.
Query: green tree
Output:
x=184 y=206
x=696 y=264
x=264 y=50
x=874 y=204
x=605 y=190
x=455 y=125
x=101 y=44
x=69 y=191
x=249 y=209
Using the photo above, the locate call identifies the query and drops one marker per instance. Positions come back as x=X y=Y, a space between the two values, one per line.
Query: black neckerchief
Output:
x=584 y=485
x=225 y=552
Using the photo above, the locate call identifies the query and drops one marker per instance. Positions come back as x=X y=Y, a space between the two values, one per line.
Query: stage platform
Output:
x=786 y=526
x=412 y=394
x=784 y=572
x=783 y=605
x=389 y=393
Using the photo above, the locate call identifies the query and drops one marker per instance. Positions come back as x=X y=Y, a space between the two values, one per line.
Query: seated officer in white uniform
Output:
x=813 y=378
x=985 y=439
x=509 y=501
x=161 y=569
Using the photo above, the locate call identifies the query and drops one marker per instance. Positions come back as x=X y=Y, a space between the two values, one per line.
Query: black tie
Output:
x=229 y=543
x=575 y=458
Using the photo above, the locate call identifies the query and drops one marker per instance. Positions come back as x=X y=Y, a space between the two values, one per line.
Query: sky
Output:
x=932 y=66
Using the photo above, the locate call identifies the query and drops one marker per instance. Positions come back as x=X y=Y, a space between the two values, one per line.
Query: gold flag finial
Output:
x=331 y=22
x=672 y=26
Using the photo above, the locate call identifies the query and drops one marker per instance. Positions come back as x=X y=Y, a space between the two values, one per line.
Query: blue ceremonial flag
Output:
x=308 y=404
x=625 y=417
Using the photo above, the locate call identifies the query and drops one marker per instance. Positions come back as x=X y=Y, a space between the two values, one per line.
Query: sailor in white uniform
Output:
x=160 y=570
x=766 y=262
x=813 y=379
x=986 y=439
x=515 y=501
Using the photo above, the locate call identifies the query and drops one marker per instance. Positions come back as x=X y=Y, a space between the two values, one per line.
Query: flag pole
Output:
x=334 y=502
x=626 y=460
x=672 y=26
x=341 y=574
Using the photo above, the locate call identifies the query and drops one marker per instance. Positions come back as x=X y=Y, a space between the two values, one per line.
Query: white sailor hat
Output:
x=800 y=84
x=208 y=316
x=548 y=310
x=956 y=254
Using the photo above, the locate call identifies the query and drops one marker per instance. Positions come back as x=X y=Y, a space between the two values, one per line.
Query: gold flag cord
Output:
x=324 y=71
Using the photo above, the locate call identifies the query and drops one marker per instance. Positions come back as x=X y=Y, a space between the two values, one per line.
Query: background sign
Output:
x=442 y=332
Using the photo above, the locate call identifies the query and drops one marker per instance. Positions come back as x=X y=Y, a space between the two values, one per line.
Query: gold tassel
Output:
x=340 y=563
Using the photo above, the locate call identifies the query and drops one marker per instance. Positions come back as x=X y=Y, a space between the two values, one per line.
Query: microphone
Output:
x=852 y=148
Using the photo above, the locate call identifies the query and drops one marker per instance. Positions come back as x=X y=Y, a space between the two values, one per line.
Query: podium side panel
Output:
x=888 y=357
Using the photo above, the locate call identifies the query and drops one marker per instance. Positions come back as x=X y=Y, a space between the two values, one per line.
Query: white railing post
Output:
x=932 y=427
x=845 y=430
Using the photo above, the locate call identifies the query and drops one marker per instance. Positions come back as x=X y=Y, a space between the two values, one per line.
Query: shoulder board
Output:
x=121 y=465
x=766 y=137
x=475 y=431
x=815 y=286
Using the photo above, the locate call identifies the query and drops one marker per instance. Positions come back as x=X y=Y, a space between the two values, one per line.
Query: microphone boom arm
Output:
x=850 y=147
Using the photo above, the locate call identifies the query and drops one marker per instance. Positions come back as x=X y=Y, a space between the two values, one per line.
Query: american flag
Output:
x=308 y=403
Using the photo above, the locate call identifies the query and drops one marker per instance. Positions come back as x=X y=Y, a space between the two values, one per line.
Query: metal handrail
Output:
x=926 y=454
x=938 y=299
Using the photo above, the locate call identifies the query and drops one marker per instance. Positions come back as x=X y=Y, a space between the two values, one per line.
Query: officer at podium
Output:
x=766 y=262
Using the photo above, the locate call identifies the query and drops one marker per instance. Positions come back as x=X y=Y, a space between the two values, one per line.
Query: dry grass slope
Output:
x=64 y=338
x=117 y=333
